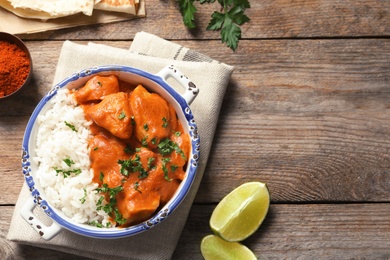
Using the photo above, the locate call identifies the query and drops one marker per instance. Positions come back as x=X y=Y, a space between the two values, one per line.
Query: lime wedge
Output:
x=240 y=213
x=215 y=248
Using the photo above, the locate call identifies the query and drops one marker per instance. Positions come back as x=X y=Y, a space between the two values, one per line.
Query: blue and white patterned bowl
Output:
x=154 y=82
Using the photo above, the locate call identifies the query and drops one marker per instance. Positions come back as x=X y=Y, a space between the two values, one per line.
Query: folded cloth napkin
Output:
x=150 y=53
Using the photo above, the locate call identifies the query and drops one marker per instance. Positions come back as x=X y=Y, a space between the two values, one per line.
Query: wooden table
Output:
x=307 y=111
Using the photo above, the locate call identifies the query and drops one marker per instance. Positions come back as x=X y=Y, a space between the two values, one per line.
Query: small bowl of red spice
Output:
x=15 y=65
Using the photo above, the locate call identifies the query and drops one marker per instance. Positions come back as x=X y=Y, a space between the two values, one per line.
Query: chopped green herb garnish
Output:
x=127 y=149
x=95 y=148
x=71 y=126
x=122 y=115
x=136 y=186
x=150 y=161
x=84 y=198
x=133 y=165
x=132 y=120
x=165 y=122
x=99 y=83
x=146 y=127
x=118 y=217
x=95 y=224
x=100 y=201
x=165 y=169
x=144 y=143
x=111 y=191
x=110 y=207
x=67 y=173
x=177 y=133
x=101 y=176
x=154 y=140
x=68 y=161
x=167 y=146
x=174 y=167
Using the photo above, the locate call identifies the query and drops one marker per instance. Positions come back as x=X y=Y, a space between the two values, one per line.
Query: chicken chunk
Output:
x=97 y=88
x=114 y=114
x=152 y=116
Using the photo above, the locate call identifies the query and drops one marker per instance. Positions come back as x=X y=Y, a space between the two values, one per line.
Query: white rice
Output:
x=73 y=195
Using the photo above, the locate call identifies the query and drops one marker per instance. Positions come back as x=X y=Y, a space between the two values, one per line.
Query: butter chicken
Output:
x=138 y=151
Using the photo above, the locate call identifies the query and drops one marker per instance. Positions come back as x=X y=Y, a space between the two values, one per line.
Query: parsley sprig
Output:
x=227 y=21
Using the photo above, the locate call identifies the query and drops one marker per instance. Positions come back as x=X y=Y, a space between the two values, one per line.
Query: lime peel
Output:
x=215 y=248
x=240 y=213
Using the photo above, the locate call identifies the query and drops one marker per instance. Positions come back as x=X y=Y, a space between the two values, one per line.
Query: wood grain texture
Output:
x=307 y=111
x=311 y=118
x=269 y=19
x=340 y=231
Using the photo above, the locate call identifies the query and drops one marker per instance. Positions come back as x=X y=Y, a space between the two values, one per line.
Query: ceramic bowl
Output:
x=7 y=37
x=153 y=82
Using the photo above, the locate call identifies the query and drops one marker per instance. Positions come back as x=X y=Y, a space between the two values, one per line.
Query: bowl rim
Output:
x=8 y=37
x=158 y=217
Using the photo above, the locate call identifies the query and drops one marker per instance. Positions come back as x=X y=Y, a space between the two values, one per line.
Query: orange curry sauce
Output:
x=138 y=151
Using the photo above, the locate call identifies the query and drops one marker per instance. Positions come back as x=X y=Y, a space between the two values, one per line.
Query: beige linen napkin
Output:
x=211 y=78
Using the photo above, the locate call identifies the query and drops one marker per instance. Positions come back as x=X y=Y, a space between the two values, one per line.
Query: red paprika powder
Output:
x=14 y=68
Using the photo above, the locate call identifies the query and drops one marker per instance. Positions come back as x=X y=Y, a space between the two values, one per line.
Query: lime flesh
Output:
x=240 y=213
x=215 y=248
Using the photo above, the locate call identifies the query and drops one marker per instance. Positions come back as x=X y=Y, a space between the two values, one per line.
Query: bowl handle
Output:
x=191 y=91
x=46 y=232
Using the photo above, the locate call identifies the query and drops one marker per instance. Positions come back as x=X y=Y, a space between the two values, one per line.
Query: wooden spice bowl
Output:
x=15 y=65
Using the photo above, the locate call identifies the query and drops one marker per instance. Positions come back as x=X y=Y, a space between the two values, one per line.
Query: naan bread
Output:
x=47 y=9
x=25 y=13
x=122 y=6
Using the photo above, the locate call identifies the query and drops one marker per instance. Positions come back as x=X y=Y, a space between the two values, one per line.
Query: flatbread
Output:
x=25 y=12
x=44 y=9
x=122 y=6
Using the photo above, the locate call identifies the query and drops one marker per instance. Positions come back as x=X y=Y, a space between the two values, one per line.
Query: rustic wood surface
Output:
x=307 y=111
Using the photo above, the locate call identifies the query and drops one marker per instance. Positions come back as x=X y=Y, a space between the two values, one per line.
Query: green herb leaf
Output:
x=133 y=165
x=136 y=186
x=84 y=198
x=128 y=149
x=150 y=162
x=227 y=21
x=110 y=207
x=67 y=173
x=174 y=167
x=165 y=169
x=122 y=115
x=118 y=217
x=144 y=141
x=165 y=122
x=95 y=224
x=71 y=126
x=68 y=161
x=167 y=146
x=100 y=201
x=188 y=10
